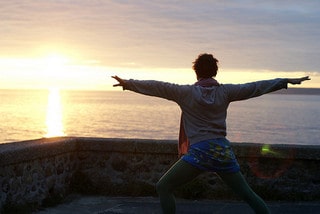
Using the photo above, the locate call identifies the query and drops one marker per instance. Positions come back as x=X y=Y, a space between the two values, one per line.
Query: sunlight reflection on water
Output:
x=54 y=114
x=271 y=119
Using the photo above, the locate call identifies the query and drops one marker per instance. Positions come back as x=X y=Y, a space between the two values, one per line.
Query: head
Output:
x=205 y=66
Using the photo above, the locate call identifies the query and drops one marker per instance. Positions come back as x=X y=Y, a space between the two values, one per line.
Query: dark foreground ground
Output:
x=148 y=205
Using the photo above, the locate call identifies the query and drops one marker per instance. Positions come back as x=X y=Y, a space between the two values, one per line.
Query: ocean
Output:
x=32 y=114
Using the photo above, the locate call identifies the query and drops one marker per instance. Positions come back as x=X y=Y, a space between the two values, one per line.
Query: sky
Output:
x=77 y=44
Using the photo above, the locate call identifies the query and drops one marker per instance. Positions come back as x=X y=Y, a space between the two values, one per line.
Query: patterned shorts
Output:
x=214 y=155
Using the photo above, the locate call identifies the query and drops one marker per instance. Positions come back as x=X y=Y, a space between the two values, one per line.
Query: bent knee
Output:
x=161 y=187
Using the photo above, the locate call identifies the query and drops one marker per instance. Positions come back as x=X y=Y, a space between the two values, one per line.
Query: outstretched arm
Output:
x=254 y=89
x=160 y=89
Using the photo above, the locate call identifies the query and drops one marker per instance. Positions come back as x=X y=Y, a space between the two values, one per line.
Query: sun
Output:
x=55 y=63
x=55 y=59
x=56 y=68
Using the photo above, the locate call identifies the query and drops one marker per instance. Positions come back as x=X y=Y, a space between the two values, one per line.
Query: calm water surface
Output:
x=272 y=118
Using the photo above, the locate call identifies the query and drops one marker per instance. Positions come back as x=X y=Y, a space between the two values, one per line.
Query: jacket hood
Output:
x=206 y=88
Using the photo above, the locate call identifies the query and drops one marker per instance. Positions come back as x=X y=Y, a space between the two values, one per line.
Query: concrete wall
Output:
x=40 y=172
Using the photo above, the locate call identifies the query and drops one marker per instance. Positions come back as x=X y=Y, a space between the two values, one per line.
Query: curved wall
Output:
x=40 y=171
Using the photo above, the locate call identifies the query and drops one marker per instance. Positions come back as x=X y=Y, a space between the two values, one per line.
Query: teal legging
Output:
x=182 y=172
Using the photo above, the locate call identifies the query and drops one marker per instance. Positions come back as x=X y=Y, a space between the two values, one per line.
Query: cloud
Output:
x=243 y=34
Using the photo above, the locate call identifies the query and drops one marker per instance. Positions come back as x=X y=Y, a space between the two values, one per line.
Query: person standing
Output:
x=203 y=145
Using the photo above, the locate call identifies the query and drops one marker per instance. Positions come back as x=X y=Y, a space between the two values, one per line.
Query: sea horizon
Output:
x=302 y=91
x=276 y=118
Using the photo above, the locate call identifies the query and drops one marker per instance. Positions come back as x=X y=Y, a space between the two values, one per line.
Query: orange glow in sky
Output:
x=80 y=44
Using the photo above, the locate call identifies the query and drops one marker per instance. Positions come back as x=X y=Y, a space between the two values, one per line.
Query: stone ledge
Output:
x=127 y=145
x=17 y=152
x=40 y=170
x=34 y=149
x=281 y=151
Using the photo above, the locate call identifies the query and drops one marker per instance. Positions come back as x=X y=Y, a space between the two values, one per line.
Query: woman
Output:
x=202 y=142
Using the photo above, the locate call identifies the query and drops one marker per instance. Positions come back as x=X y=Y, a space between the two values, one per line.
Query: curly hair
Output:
x=205 y=66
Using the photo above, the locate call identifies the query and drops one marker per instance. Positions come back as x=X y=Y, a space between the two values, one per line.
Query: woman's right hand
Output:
x=295 y=81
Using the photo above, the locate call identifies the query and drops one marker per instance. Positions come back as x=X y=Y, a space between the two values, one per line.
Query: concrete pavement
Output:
x=82 y=204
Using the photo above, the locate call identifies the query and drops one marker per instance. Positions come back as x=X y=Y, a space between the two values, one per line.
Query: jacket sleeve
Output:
x=160 y=89
x=254 y=89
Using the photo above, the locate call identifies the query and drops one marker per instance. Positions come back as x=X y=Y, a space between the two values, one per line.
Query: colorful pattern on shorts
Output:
x=212 y=155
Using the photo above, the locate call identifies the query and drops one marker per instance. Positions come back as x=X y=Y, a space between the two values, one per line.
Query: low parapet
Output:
x=40 y=172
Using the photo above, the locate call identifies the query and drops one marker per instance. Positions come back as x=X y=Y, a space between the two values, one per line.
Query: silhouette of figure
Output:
x=202 y=140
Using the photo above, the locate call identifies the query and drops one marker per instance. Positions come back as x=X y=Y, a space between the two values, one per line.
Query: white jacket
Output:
x=204 y=109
